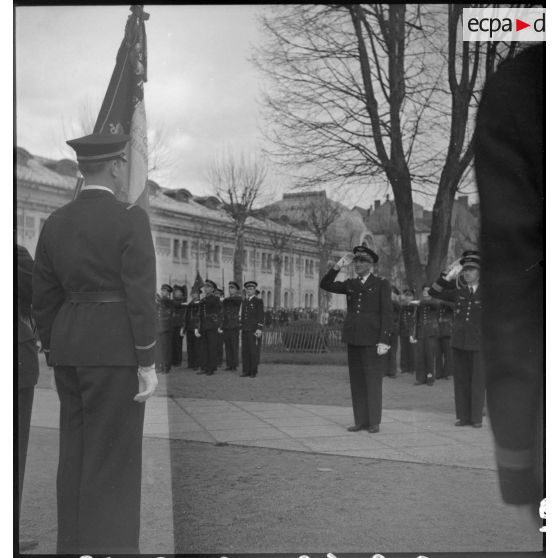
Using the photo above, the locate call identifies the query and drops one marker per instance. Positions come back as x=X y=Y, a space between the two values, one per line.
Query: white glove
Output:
x=147 y=383
x=382 y=348
x=453 y=271
x=412 y=339
x=181 y=332
x=197 y=333
x=345 y=260
x=219 y=330
x=258 y=333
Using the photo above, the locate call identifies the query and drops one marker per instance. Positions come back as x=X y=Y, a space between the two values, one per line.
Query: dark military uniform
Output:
x=93 y=297
x=193 y=343
x=252 y=318
x=210 y=320
x=469 y=385
x=368 y=322
x=394 y=341
x=163 y=349
x=444 y=353
x=406 y=330
x=510 y=170
x=231 y=327
x=178 y=314
x=27 y=359
x=427 y=341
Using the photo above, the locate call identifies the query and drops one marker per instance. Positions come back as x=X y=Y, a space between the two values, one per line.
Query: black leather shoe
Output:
x=477 y=425
x=374 y=429
x=27 y=544
x=356 y=428
x=419 y=383
x=461 y=423
x=245 y=375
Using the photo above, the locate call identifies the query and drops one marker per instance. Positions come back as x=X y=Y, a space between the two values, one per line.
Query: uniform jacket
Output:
x=467 y=313
x=164 y=314
x=252 y=314
x=27 y=359
x=178 y=312
x=407 y=320
x=211 y=313
x=445 y=319
x=369 y=319
x=192 y=316
x=96 y=243
x=427 y=319
x=231 y=310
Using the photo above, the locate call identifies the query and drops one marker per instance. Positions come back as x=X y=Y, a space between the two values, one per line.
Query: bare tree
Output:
x=280 y=238
x=238 y=181
x=360 y=90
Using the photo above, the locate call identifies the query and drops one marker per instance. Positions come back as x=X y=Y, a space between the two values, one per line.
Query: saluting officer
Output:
x=163 y=349
x=444 y=355
x=210 y=323
x=231 y=325
x=366 y=331
x=406 y=330
x=460 y=284
x=426 y=336
x=94 y=298
x=191 y=322
x=252 y=323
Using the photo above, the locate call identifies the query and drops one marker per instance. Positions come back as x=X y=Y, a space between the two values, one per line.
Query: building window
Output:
x=244 y=256
x=264 y=260
x=311 y=300
x=217 y=254
x=306 y=300
x=311 y=265
x=268 y=299
x=184 y=250
x=163 y=244
x=175 y=248
x=29 y=222
x=286 y=300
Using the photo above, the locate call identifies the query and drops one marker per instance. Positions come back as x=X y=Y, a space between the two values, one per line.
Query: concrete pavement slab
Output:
x=240 y=435
x=340 y=443
x=311 y=431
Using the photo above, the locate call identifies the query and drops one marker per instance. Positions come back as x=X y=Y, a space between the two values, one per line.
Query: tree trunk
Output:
x=323 y=296
x=277 y=280
x=238 y=255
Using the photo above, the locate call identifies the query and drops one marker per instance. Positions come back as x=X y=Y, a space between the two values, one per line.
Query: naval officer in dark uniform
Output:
x=163 y=348
x=366 y=331
x=210 y=324
x=252 y=323
x=94 y=300
x=460 y=285
x=191 y=321
x=231 y=325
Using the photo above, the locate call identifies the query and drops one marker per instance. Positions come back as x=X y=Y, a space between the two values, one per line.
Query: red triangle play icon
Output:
x=519 y=25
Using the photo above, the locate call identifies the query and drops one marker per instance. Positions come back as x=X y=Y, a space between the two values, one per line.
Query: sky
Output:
x=202 y=90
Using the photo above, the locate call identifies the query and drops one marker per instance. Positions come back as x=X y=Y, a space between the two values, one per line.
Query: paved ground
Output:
x=251 y=463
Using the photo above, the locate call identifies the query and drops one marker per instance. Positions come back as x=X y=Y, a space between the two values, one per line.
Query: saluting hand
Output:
x=147 y=383
x=345 y=260
x=453 y=271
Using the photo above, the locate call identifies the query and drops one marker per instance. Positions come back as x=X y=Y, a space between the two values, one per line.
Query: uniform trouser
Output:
x=444 y=358
x=24 y=407
x=163 y=350
x=99 y=469
x=176 y=346
x=391 y=369
x=407 y=354
x=426 y=358
x=366 y=371
x=469 y=385
x=192 y=349
x=231 y=347
x=251 y=347
x=210 y=350
x=220 y=347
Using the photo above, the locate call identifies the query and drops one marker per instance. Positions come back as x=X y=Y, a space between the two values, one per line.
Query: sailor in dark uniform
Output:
x=27 y=368
x=231 y=325
x=426 y=335
x=444 y=355
x=210 y=324
x=178 y=312
x=220 y=334
x=406 y=330
x=366 y=331
x=191 y=321
x=163 y=349
x=252 y=323
x=460 y=285
x=94 y=300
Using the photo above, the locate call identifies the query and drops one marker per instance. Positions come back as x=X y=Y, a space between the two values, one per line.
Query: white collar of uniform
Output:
x=251 y=297
x=365 y=277
x=474 y=287
x=96 y=187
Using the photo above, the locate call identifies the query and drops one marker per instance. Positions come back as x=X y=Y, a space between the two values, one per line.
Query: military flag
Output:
x=198 y=283
x=123 y=108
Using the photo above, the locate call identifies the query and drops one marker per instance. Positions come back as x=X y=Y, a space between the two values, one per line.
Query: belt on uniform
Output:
x=96 y=296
